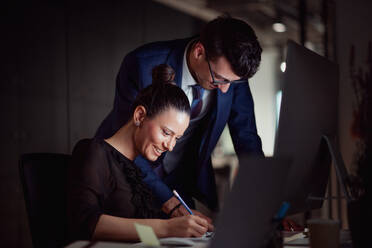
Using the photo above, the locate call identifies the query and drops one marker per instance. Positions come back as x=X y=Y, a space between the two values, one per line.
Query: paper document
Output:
x=147 y=235
x=294 y=237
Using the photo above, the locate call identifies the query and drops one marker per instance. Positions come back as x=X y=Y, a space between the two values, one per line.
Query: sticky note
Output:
x=147 y=235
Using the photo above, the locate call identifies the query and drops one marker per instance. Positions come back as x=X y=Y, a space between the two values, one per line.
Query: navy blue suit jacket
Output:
x=193 y=177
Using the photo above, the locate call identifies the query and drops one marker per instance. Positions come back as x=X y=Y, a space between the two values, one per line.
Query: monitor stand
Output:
x=341 y=172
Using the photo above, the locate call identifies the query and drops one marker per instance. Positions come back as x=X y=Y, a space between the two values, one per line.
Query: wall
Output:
x=264 y=86
x=59 y=63
x=353 y=25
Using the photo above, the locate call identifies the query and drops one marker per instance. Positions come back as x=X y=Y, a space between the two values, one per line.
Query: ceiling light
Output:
x=279 y=27
x=283 y=65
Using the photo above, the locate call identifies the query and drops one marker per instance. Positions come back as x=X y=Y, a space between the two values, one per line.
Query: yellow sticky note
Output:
x=147 y=235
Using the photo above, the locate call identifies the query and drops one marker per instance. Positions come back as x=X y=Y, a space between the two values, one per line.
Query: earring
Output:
x=137 y=123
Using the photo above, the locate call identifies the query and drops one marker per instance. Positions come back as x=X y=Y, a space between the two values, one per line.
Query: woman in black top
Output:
x=106 y=192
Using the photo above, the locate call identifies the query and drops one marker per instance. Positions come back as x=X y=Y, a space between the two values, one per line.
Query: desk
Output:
x=345 y=242
x=87 y=244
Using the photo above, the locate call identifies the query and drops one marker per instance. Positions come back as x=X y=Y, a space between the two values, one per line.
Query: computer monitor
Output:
x=308 y=112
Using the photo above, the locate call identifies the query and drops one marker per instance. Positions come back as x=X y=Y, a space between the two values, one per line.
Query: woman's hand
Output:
x=186 y=226
x=209 y=220
x=181 y=211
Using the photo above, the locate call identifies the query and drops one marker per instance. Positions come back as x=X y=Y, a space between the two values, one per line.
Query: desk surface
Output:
x=87 y=244
x=299 y=243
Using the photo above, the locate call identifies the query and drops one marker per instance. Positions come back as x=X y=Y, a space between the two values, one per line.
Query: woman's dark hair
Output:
x=162 y=94
x=234 y=39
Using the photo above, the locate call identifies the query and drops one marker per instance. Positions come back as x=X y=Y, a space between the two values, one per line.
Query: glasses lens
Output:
x=218 y=82
x=229 y=82
x=240 y=81
x=221 y=82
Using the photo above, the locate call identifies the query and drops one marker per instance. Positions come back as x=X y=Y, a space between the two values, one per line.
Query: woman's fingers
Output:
x=200 y=225
x=188 y=226
x=209 y=220
x=197 y=213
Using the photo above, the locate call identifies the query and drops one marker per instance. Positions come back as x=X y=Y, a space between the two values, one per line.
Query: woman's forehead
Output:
x=172 y=118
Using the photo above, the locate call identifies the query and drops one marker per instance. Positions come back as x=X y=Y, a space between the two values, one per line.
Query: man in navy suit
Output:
x=220 y=60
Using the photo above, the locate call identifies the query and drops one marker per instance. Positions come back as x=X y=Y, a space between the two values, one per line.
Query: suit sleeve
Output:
x=242 y=122
x=158 y=187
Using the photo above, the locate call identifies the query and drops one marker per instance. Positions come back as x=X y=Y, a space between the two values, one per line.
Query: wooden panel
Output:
x=32 y=101
x=99 y=36
x=164 y=23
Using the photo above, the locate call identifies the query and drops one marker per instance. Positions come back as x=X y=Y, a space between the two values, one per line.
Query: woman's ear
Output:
x=139 y=115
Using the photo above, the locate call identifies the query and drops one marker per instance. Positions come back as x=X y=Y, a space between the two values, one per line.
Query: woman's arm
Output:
x=122 y=229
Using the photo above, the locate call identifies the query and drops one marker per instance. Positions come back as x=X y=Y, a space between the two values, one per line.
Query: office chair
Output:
x=43 y=179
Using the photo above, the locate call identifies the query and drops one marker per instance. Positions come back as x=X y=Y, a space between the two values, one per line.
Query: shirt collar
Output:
x=187 y=78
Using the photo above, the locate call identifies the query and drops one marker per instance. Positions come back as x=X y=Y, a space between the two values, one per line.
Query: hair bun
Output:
x=162 y=74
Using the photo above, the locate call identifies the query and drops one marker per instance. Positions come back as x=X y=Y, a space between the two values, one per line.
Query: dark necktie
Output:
x=197 y=102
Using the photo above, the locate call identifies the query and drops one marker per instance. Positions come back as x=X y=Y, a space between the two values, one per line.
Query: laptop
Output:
x=256 y=197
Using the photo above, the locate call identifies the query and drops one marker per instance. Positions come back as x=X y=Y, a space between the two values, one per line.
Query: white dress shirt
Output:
x=188 y=81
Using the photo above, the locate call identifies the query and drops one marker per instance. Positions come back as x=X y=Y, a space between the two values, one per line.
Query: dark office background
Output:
x=59 y=63
x=59 y=60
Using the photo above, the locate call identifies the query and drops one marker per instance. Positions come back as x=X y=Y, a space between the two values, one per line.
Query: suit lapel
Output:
x=218 y=118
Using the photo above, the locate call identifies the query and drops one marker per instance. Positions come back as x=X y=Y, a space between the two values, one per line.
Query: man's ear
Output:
x=199 y=50
x=139 y=114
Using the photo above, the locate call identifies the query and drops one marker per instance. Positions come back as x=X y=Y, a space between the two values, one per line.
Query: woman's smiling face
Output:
x=160 y=133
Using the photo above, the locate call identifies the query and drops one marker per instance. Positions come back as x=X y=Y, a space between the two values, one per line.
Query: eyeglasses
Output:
x=224 y=81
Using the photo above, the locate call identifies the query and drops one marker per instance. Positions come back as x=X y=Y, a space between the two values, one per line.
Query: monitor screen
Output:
x=308 y=111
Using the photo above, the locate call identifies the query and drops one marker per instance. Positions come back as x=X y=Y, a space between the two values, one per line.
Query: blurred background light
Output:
x=283 y=65
x=279 y=27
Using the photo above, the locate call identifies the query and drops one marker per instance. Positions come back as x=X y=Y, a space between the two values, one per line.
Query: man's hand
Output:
x=173 y=202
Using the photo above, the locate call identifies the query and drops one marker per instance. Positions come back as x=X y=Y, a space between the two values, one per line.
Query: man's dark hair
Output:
x=162 y=94
x=234 y=39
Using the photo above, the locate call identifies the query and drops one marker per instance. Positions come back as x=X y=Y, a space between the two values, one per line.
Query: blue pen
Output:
x=183 y=203
x=282 y=211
